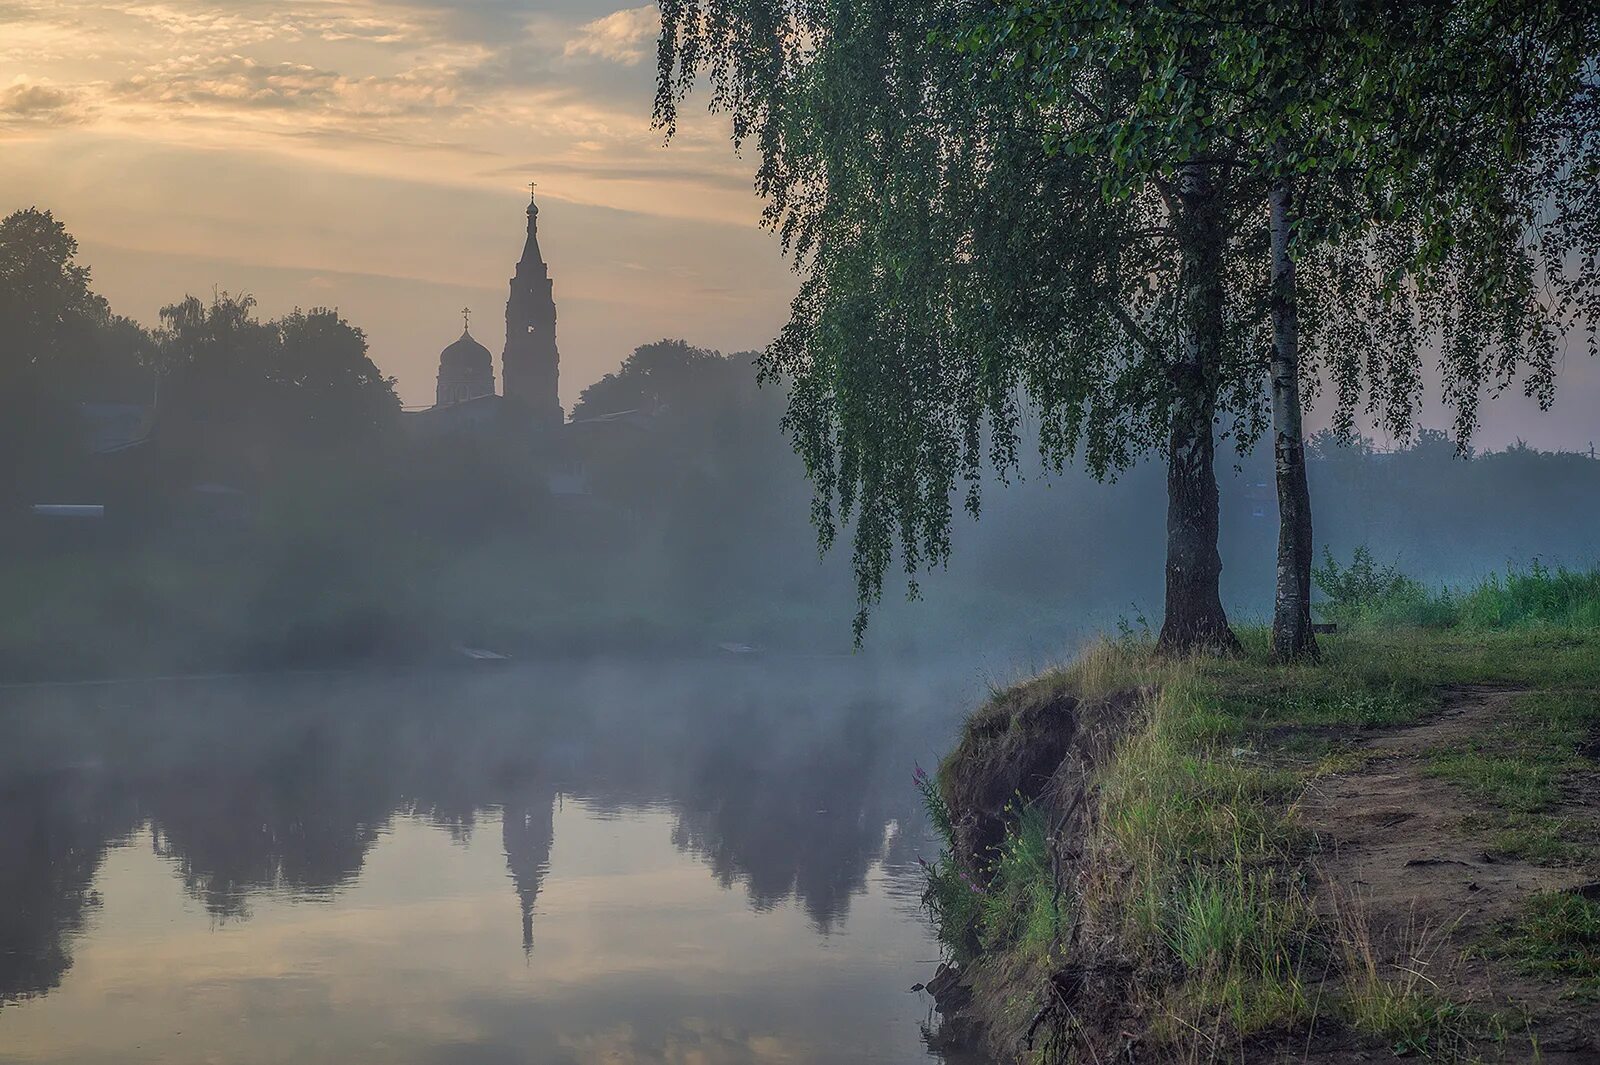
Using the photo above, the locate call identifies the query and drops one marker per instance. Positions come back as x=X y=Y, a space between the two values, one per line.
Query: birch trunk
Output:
x=1194 y=619
x=1292 y=637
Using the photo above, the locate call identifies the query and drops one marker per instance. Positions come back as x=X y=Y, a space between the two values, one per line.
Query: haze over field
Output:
x=373 y=156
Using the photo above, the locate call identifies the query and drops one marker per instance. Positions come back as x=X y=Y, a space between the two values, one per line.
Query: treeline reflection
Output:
x=789 y=780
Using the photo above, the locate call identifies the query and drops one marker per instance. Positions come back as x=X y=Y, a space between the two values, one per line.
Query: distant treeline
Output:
x=273 y=510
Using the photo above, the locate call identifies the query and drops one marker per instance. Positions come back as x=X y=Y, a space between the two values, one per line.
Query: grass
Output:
x=1011 y=904
x=1368 y=594
x=1515 y=770
x=1398 y=995
x=1243 y=938
x=1022 y=909
x=1195 y=872
x=1557 y=936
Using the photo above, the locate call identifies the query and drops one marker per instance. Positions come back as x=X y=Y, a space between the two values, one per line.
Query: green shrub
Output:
x=1366 y=594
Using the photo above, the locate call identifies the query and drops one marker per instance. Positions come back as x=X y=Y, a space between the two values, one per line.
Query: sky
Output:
x=374 y=156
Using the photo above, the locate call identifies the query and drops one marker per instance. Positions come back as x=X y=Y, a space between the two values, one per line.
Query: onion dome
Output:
x=466 y=371
x=466 y=354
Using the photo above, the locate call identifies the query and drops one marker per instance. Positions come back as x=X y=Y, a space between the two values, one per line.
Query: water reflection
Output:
x=582 y=815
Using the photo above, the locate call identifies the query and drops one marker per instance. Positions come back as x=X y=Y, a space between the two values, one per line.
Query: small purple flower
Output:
x=920 y=775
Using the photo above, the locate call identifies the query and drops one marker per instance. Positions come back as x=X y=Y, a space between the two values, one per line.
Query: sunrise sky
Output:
x=374 y=155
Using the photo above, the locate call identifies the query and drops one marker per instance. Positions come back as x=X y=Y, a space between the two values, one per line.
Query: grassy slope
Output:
x=1201 y=875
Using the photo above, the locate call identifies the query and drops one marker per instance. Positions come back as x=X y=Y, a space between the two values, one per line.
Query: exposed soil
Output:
x=1032 y=741
x=1397 y=847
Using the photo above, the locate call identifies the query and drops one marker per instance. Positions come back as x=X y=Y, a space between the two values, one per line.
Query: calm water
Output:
x=698 y=863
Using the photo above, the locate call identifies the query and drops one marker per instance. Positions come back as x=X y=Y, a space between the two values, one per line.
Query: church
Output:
x=465 y=396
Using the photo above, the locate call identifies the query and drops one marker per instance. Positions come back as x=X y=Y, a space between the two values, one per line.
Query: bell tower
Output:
x=530 y=365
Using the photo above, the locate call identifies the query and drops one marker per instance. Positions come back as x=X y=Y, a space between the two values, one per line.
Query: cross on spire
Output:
x=466 y=318
x=531 y=186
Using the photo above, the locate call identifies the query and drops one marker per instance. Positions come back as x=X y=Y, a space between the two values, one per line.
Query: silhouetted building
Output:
x=466 y=371
x=531 y=363
x=465 y=400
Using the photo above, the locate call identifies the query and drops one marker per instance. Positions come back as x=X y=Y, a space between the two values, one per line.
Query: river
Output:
x=696 y=862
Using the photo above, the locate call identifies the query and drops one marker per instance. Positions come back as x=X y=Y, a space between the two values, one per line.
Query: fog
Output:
x=783 y=787
x=254 y=518
x=313 y=701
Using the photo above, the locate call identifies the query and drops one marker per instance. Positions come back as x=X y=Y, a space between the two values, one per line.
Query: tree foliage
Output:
x=964 y=281
x=985 y=205
x=1444 y=154
x=658 y=376
x=241 y=394
x=60 y=346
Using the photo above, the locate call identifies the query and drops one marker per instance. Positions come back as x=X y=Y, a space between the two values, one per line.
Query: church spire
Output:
x=530 y=250
x=530 y=365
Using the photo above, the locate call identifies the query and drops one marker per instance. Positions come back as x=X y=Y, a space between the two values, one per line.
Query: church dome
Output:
x=466 y=371
x=466 y=355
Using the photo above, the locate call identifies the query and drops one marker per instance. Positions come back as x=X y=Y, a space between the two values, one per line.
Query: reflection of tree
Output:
x=54 y=828
x=795 y=807
x=298 y=812
x=286 y=785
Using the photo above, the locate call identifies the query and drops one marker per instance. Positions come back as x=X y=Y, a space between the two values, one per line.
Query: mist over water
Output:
x=339 y=731
x=607 y=861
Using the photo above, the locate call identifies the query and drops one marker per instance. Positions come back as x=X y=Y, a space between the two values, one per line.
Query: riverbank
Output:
x=1394 y=851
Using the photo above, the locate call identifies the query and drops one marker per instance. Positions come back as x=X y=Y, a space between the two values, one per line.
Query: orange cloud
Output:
x=621 y=37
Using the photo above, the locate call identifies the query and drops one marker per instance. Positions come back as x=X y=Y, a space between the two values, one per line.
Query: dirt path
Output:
x=1428 y=886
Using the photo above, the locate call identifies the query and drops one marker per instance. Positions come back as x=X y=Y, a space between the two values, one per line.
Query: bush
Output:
x=1367 y=593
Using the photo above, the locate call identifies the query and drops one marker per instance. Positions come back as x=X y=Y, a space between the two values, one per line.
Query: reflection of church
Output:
x=528 y=830
x=529 y=366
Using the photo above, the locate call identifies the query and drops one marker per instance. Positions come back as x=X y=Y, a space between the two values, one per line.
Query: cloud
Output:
x=234 y=80
x=247 y=22
x=619 y=37
x=27 y=103
x=239 y=83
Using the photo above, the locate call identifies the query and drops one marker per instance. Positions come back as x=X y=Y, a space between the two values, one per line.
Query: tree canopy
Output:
x=1052 y=217
x=240 y=392
x=961 y=276
x=655 y=377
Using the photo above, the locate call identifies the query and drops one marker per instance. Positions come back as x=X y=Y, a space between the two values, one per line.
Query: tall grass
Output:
x=1012 y=904
x=1396 y=994
x=1194 y=869
x=1366 y=594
